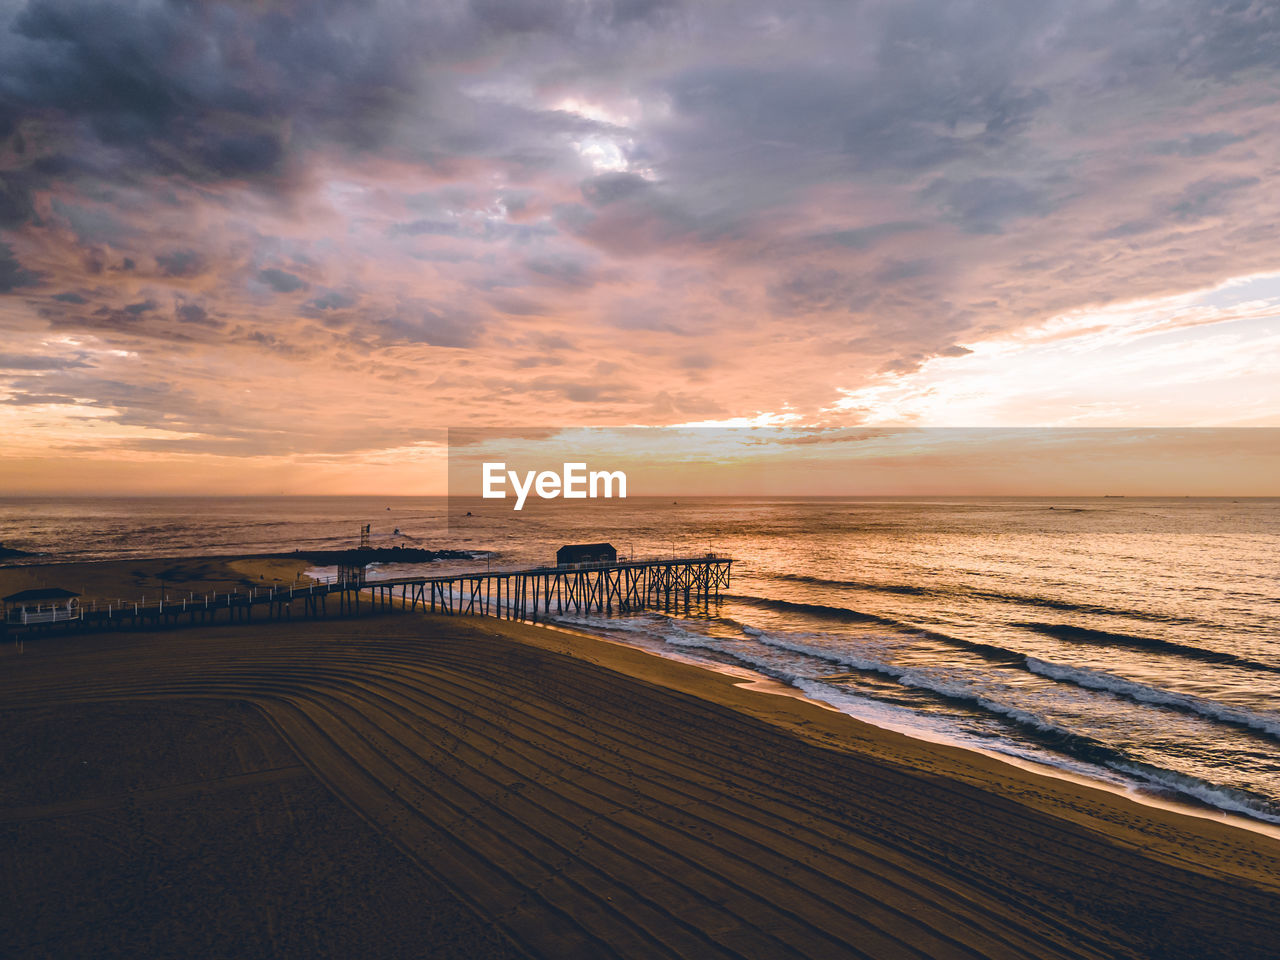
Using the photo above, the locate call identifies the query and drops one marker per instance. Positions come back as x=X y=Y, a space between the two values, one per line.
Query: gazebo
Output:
x=41 y=605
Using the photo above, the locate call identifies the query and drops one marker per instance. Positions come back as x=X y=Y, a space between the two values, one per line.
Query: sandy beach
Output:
x=402 y=786
x=133 y=579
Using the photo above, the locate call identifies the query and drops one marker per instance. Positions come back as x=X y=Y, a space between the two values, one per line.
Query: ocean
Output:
x=1130 y=640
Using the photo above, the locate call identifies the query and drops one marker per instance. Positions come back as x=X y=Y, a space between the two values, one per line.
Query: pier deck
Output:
x=531 y=594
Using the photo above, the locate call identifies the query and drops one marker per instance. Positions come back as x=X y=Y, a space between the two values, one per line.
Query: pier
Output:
x=539 y=593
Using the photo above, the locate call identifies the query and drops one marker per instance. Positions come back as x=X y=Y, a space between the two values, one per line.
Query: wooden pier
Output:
x=601 y=588
x=540 y=593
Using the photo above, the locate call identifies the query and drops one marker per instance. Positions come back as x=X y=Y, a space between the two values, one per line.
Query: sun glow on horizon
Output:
x=1133 y=361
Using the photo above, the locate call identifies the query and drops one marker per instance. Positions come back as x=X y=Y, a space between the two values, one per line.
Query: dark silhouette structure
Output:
x=586 y=553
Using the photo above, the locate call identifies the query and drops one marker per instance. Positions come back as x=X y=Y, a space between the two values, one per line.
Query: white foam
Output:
x=1223 y=798
x=1101 y=680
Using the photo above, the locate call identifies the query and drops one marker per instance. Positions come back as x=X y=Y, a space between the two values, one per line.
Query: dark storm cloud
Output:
x=212 y=91
x=15 y=198
x=612 y=187
x=180 y=263
x=206 y=91
x=331 y=300
x=281 y=281
x=93 y=224
x=12 y=274
x=187 y=312
x=895 y=87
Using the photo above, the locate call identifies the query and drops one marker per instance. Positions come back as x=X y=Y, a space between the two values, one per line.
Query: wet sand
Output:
x=401 y=786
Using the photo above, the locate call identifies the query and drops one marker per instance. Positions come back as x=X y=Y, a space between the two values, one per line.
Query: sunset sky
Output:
x=281 y=247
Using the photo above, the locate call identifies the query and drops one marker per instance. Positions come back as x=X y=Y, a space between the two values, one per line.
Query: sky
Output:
x=282 y=247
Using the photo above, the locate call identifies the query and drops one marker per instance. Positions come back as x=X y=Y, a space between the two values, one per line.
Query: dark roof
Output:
x=573 y=552
x=41 y=593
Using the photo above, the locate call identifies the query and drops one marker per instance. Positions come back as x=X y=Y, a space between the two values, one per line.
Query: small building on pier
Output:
x=41 y=605
x=586 y=553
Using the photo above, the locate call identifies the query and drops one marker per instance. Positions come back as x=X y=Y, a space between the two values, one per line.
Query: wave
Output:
x=999 y=654
x=988 y=651
x=1079 y=676
x=900 y=588
x=1046 y=602
x=1082 y=746
x=1073 y=634
x=1214 y=795
x=1101 y=680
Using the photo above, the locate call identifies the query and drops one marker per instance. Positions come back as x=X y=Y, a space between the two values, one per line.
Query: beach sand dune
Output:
x=462 y=787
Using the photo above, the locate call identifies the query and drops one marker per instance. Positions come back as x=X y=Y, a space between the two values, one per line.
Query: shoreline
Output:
x=977 y=772
x=593 y=799
x=1135 y=793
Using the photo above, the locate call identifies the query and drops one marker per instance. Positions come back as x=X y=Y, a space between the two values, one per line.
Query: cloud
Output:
x=418 y=322
x=281 y=281
x=1198 y=144
x=180 y=263
x=15 y=197
x=1209 y=197
x=862 y=238
x=332 y=300
x=560 y=271
x=986 y=204
x=217 y=111
x=194 y=313
x=612 y=187
x=17 y=361
x=12 y=274
x=809 y=289
x=737 y=208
